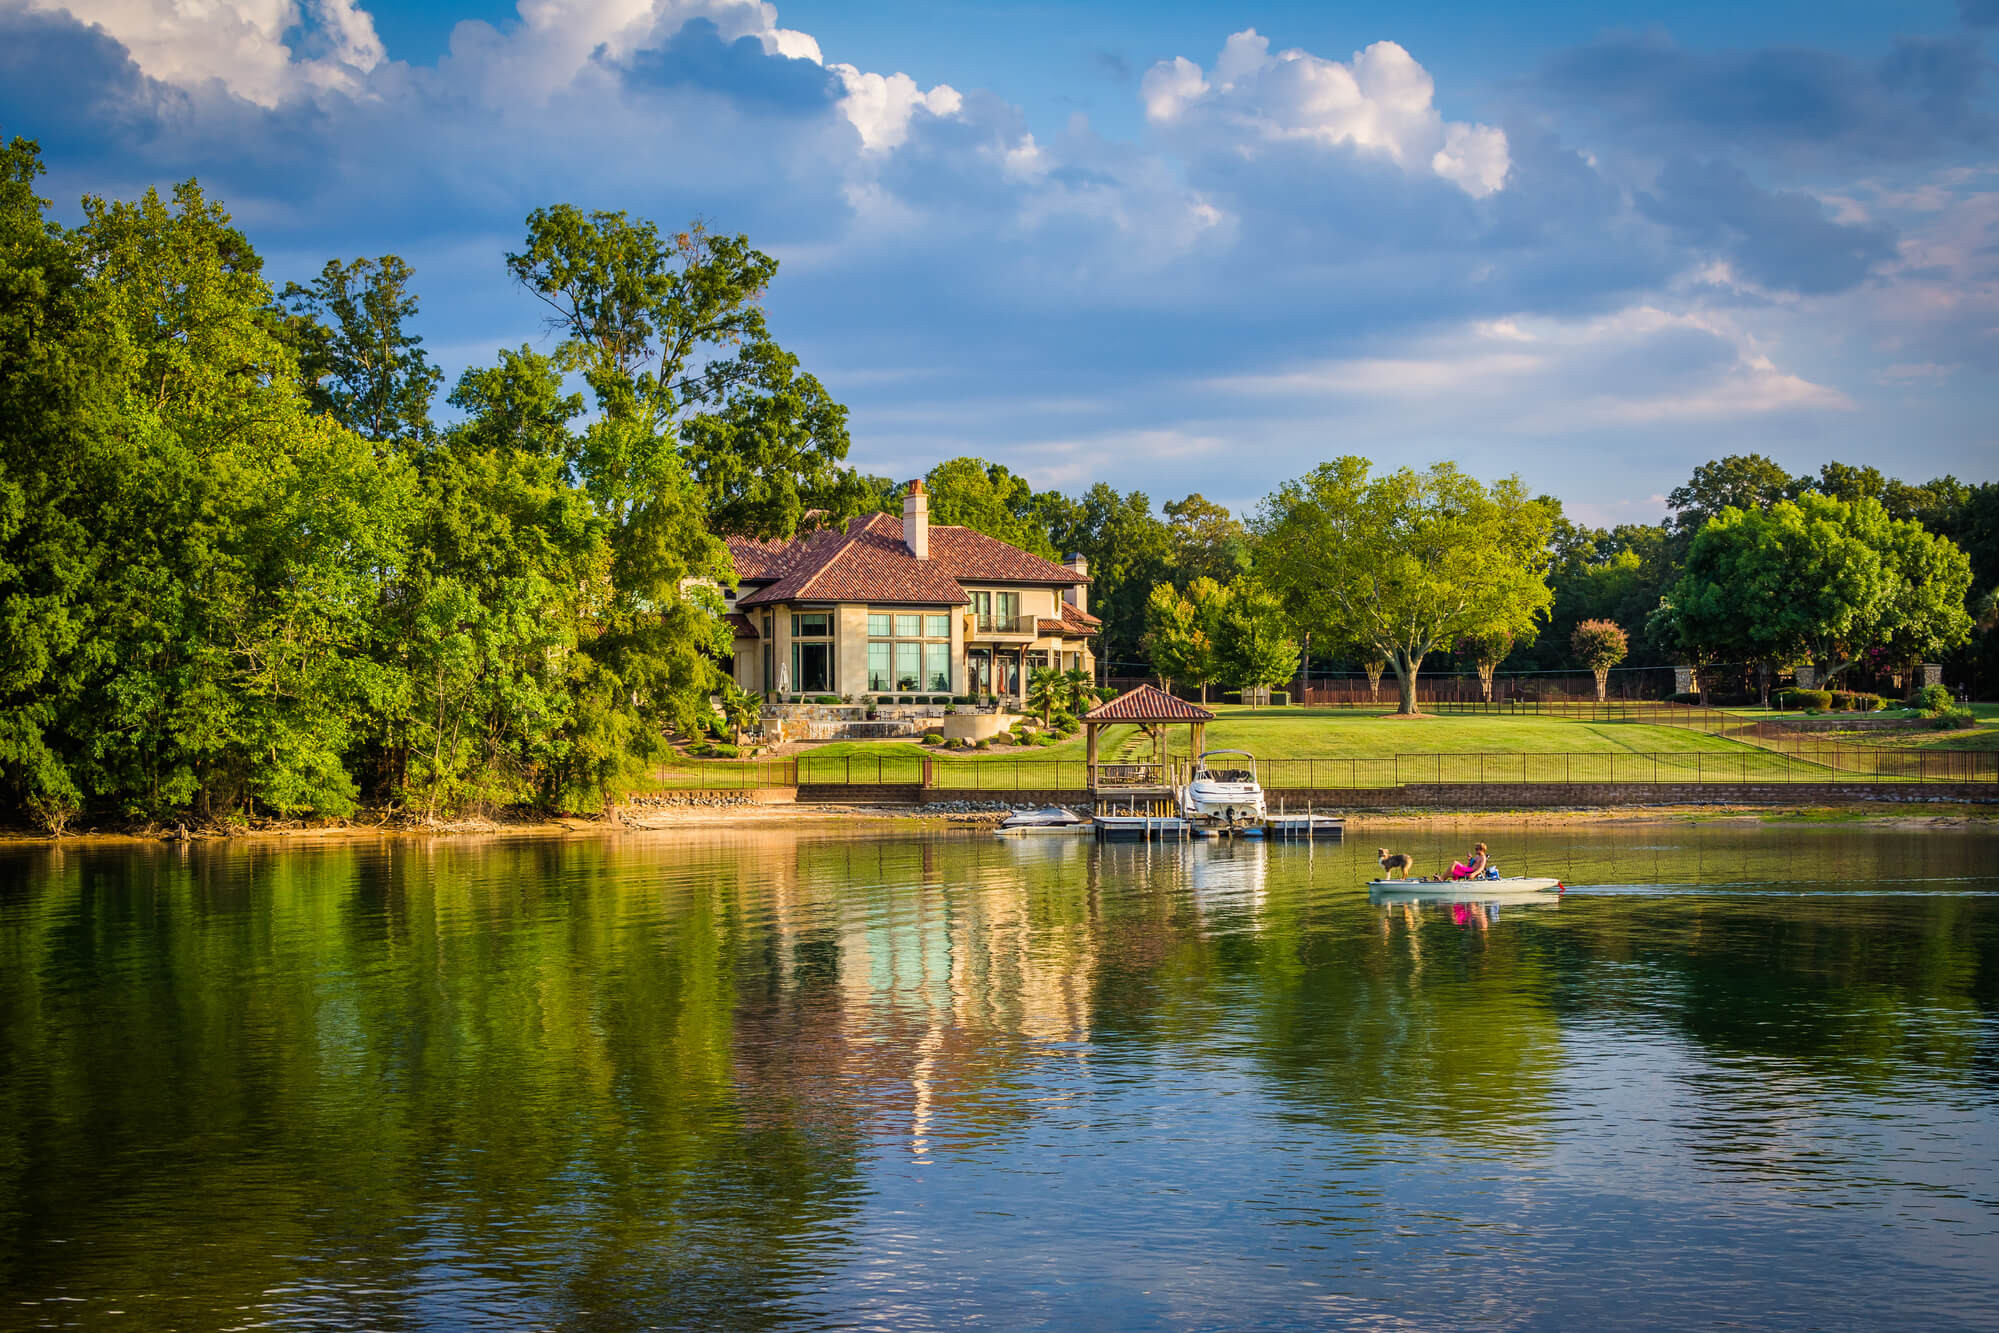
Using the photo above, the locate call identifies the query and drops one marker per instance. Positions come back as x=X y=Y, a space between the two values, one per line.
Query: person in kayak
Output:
x=1474 y=870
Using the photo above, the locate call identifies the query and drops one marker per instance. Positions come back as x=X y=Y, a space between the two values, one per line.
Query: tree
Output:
x=1047 y=691
x=1175 y=637
x=1081 y=691
x=986 y=497
x=1740 y=481
x=1254 y=647
x=1599 y=645
x=702 y=421
x=1402 y=562
x=741 y=709
x=1207 y=541
x=1485 y=649
x=357 y=358
x=1129 y=551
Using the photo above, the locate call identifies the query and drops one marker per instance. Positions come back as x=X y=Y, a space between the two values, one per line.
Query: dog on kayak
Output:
x=1396 y=865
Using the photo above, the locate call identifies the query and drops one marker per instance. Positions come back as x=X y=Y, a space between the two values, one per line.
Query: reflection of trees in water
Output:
x=497 y=1075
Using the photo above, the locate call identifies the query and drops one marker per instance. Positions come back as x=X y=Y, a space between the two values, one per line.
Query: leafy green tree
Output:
x=1599 y=645
x=357 y=356
x=1081 y=692
x=1129 y=550
x=1176 y=639
x=1207 y=541
x=1254 y=646
x=985 y=497
x=1405 y=561
x=1740 y=481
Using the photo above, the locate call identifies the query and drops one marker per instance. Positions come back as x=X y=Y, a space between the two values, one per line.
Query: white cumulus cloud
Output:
x=1381 y=102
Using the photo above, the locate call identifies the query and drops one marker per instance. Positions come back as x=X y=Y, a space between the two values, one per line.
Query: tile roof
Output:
x=1148 y=703
x=868 y=562
x=1071 y=623
x=741 y=624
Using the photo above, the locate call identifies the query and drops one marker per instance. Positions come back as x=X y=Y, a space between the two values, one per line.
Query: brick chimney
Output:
x=1079 y=595
x=916 y=521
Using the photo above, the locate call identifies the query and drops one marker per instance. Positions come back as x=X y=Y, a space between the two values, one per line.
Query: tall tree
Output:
x=357 y=355
x=1208 y=540
x=1405 y=561
x=1129 y=550
x=986 y=497
x=1599 y=645
x=1254 y=645
x=1740 y=481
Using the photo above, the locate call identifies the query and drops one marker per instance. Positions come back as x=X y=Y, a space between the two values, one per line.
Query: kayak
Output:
x=1466 y=890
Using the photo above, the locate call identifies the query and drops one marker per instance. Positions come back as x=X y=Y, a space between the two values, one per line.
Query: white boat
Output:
x=1514 y=888
x=1223 y=788
x=1051 y=819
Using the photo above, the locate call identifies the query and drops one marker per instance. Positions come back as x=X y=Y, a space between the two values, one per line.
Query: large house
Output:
x=878 y=607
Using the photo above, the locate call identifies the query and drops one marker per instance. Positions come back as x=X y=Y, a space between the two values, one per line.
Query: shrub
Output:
x=961 y=698
x=1045 y=740
x=1064 y=722
x=721 y=750
x=1932 y=699
x=1809 y=701
x=825 y=698
x=985 y=745
x=931 y=738
x=1686 y=697
x=1953 y=719
x=954 y=744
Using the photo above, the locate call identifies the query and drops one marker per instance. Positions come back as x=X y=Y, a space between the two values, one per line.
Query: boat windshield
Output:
x=1211 y=768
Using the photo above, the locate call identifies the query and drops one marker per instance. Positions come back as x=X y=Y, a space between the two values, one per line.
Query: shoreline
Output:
x=929 y=820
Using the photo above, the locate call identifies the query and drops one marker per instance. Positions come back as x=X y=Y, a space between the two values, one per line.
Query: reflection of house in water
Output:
x=934 y=972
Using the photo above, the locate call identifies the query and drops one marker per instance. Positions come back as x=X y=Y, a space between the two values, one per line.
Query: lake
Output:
x=825 y=1077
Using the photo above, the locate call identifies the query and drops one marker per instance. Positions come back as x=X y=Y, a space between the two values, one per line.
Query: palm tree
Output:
x=1047 y=690
x=1080 y=690
x=741 y=708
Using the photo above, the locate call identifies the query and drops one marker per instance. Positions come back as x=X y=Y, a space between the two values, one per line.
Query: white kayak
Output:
x=1465 y=890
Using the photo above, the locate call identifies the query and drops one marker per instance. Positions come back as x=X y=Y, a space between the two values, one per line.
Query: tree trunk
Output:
x=1485 y=671
x=1406 y=669
x=1374 y=667
x=1602 y=682
x=1204 y=693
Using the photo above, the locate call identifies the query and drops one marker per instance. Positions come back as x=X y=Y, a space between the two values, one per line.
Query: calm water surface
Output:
x=1738 y=1076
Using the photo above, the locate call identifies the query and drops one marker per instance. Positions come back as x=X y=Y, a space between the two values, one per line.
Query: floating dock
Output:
x=1152 y=828
x=1305 y=828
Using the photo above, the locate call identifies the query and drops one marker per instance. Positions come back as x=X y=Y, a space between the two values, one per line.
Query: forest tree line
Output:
x=245 y=569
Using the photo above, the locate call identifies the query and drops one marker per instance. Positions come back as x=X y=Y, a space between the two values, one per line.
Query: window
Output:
x=811 y=666
x=909 y=651
x=812 y=625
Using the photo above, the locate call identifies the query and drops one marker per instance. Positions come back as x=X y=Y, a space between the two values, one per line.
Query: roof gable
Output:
x=868 y=562
x=1148 y=703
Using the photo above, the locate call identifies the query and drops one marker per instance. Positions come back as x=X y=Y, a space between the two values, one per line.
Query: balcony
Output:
x=986 y=625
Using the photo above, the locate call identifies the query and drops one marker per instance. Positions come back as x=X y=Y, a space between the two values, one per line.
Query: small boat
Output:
x=1050 y=819
x=1223 y=787
x=1516 y=888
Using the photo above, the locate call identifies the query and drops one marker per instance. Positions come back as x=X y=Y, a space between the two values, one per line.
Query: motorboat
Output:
x=1510 y=888
x=1223 y=788
x=1049 y=819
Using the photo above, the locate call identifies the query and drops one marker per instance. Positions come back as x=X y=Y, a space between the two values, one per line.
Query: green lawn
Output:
x=1345 y=747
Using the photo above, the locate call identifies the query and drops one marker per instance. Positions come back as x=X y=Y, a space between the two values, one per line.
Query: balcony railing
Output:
x=988 y=623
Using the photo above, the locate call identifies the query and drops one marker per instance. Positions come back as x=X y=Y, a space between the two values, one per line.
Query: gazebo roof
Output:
x=1148 y=703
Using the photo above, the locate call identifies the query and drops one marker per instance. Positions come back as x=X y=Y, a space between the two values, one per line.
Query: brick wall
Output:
x=1555 y=795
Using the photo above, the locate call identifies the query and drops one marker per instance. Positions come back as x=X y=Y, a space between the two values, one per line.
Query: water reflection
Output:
x=732 y=1080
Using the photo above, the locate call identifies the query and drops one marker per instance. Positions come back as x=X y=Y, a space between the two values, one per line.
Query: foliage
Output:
x=1252 y=636
x=357 y=358
x=1176 y=638
x=1047 y=692
x=986 y=497
x=1599 y=645
x=1933 y=698
x=1405 y=561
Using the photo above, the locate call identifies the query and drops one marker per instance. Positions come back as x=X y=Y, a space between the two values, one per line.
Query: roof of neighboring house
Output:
x=744 y=627
x=1071 y=623
x=1148 y=703
x=868 y=562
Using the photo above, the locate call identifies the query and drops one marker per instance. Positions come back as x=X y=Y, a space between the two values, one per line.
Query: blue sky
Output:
x=1174 y=246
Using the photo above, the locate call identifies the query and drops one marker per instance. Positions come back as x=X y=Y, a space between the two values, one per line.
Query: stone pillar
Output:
x=1683 y=680
x=1808 y=677
x=1932 y=673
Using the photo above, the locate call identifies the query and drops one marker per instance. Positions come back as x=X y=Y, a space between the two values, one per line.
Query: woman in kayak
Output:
x=1460 y=870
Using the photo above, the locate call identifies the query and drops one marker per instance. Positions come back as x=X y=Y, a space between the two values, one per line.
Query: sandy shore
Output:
x=916 y=819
